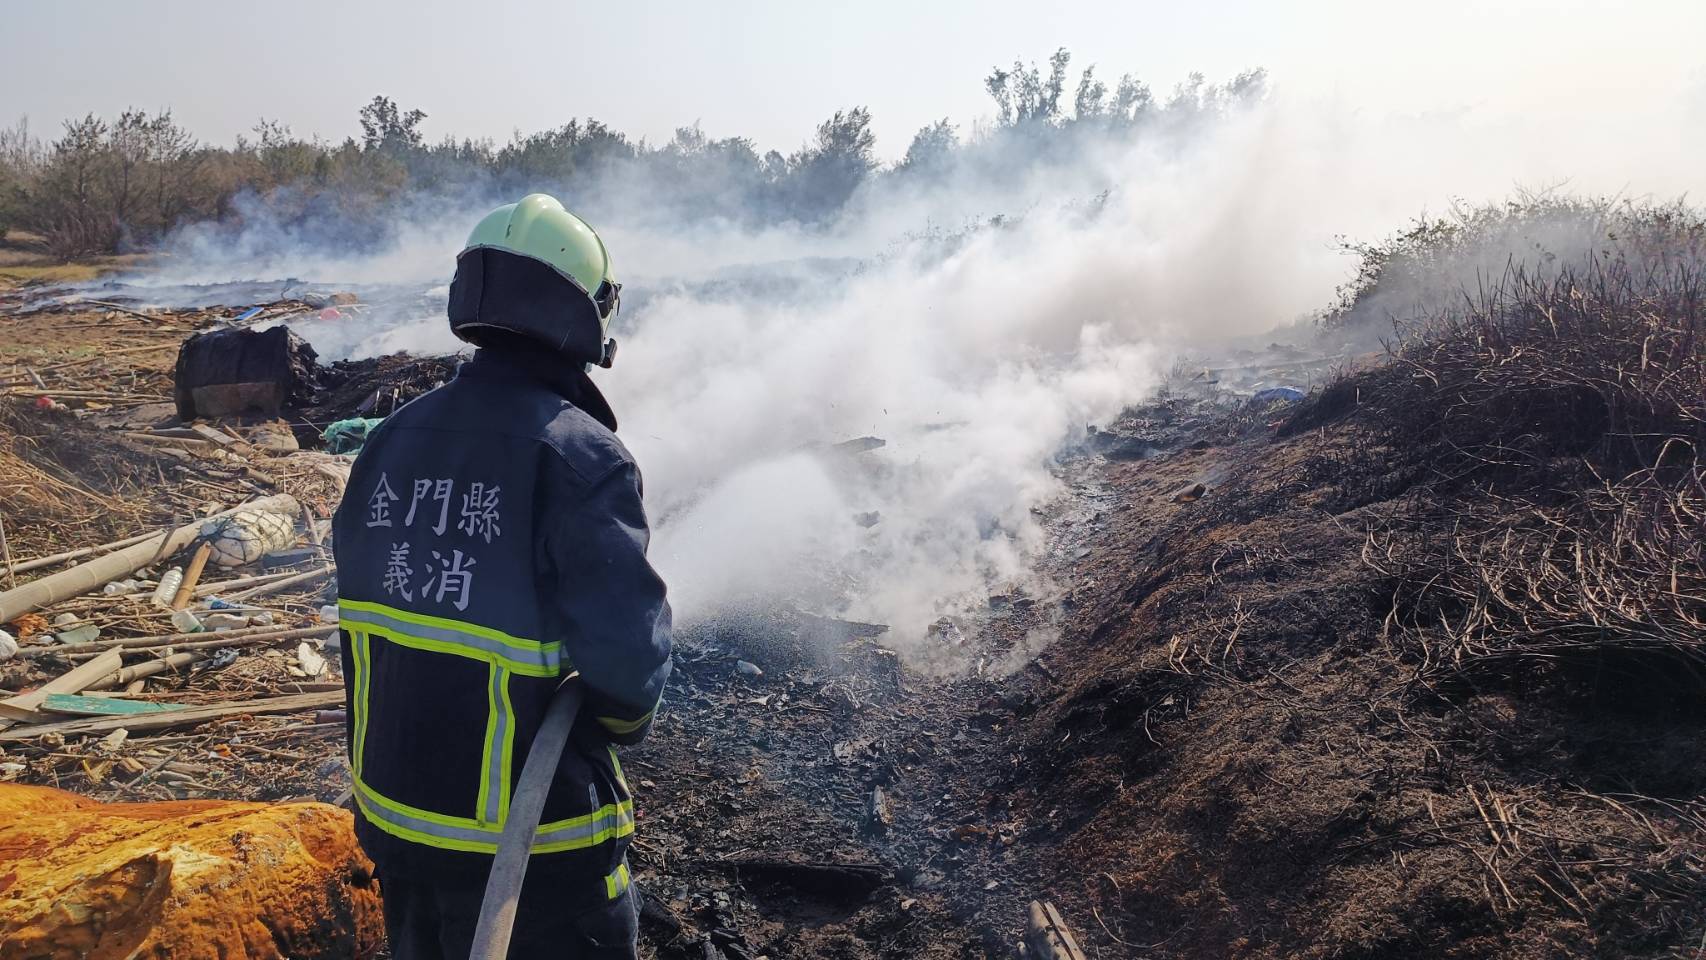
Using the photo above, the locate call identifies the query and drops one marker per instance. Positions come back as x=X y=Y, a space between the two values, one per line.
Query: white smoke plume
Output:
x=975 y=349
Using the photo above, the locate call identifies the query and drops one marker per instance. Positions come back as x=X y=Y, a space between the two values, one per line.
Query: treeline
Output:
x=123 y=183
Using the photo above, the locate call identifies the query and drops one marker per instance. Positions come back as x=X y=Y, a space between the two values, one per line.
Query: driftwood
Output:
x=1047 y=936
x=188 y=716
x=27 y=706
x=91 y=575
x=151 y=668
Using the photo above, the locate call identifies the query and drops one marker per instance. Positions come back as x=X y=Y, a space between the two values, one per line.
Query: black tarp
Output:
x=234 y=372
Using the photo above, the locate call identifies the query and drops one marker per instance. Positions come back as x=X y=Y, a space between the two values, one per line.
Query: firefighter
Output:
x=492 y=542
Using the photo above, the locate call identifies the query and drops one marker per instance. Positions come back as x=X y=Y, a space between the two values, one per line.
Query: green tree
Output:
x=931 y=148
x=385 y=125
x=1024 y=95
x=21 y=160
x=823 y=175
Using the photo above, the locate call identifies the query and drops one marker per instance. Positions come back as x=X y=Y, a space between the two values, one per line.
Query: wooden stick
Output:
x=217 y=640
x=307 y=520
x=192 y=576
x=91 y=396
x=185 y=442
x=27 y=706
x=151 y=318
x=180 y=718
x=6 y=553
x=285 y=584
x=262 y=633
x=222 y=586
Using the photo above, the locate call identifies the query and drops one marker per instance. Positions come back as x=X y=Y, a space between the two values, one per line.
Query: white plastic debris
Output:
x=186 y=622
x=87 y=633
x=224 y=621
x=310 y=660
x=248 y=536
x=168 y=588
x=329 y=613
x=8 y=646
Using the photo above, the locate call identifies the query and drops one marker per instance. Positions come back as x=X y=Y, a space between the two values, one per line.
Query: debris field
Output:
x=1248 y=737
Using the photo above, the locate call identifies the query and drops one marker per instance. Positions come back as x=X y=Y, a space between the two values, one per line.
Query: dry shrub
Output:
x=64 y=485
x=1561 y=416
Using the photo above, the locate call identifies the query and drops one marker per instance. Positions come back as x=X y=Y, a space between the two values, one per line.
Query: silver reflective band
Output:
x=610 y=820
x=497 y=751
x=546 y=656
x=606 y=823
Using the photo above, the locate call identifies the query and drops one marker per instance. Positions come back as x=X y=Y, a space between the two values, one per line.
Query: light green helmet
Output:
x=511 y=276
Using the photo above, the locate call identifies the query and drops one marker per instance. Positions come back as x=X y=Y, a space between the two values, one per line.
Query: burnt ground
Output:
x=843 y=805
x=1230 y=749
x=368 y=388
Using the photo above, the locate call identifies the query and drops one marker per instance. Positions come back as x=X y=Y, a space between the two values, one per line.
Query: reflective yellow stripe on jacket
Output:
x=504 y=655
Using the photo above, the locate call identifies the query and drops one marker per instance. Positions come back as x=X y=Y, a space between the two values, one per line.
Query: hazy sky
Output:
x=772 y=70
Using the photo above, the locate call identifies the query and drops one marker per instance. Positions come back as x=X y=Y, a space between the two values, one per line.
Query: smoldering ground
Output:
x=976 y=319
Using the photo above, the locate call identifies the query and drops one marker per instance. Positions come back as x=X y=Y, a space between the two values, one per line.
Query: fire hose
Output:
x=509 y=866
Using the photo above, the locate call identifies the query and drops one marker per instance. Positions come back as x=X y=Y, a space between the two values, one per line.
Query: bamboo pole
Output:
x=267 y=633
x=89 y=576
x=80 y=553
x=151 y=668
x=218 y=640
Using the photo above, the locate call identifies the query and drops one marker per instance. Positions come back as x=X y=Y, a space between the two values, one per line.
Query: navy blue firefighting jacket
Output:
x=490 y=542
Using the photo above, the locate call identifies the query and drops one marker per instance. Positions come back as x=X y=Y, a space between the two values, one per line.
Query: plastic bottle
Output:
x=186 y=622
x=168 y=588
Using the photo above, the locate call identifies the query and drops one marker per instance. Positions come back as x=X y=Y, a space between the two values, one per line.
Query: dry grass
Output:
x=25 y=260
x=1567 y=416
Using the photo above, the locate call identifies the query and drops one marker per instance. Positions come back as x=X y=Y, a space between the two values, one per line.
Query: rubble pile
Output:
x=166 y=635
